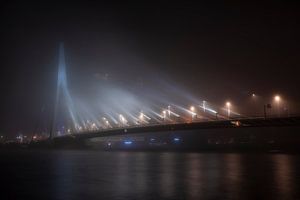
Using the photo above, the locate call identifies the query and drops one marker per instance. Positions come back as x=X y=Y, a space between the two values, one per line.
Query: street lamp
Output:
x=277 y=99
x=228 y=105
x=192 y=109
x=142 y=117
x=169 y=111
x=122 y=119
x=164 y=115
x=254 y=105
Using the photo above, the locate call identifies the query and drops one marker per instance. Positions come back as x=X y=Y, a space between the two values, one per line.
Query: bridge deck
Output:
x=232 y=123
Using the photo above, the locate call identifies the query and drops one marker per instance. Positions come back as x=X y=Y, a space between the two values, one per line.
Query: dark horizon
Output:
x=212 y=52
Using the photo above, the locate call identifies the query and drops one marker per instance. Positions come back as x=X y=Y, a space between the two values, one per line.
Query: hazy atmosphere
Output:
x=210 y=52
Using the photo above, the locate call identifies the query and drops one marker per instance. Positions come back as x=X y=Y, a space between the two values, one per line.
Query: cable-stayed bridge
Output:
x=123 y=115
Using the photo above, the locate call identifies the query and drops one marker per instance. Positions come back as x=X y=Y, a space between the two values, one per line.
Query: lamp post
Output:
x=164 y=115
x=169 y=111
x=141 y=117
x=228 y=105
x=192 y=109
x=122 y=119
x=277 y=99
x=266 y=106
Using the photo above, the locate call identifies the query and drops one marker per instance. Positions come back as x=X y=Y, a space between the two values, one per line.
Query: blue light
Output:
x=128 y=142
x=152 y=139
x=63 y=90
x=176 y=139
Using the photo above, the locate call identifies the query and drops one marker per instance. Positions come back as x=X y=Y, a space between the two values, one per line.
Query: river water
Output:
x=86 y=174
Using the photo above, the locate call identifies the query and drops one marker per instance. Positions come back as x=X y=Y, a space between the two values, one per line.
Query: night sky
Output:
x=213 y=51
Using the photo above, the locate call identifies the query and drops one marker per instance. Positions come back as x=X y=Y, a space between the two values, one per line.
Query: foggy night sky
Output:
x=216 y=51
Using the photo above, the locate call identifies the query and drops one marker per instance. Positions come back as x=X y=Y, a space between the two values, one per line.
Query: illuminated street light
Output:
x=192 y=109
x=164 y=114
x=228 y=105
x=94 y=126
x=277 y=99
x=141 y=116
x=122 y=119
x=204 y=106
x=169 y=111
x=107 y=124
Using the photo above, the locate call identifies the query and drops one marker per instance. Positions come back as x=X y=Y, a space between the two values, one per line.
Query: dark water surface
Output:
x=87 y=174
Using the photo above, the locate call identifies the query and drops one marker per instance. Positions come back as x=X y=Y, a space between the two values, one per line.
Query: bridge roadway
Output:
x=232 y=123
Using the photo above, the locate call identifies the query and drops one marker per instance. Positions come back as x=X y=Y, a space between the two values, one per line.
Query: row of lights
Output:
x=277 y=99
x=143 y=118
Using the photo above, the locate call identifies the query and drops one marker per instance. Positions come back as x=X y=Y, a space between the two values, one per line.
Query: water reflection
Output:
x=122 y=179
x=283 y=175
x=141 y=172
x=63 y=175
x=167 y=174
x=145 y=175
x=232 y=175
x=194 y=177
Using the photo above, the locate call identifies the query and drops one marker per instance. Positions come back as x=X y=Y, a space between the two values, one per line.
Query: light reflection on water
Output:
x=283 y=175
x=232 y=175
x=167 y=175
x=194 y=177
x=149 y=175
